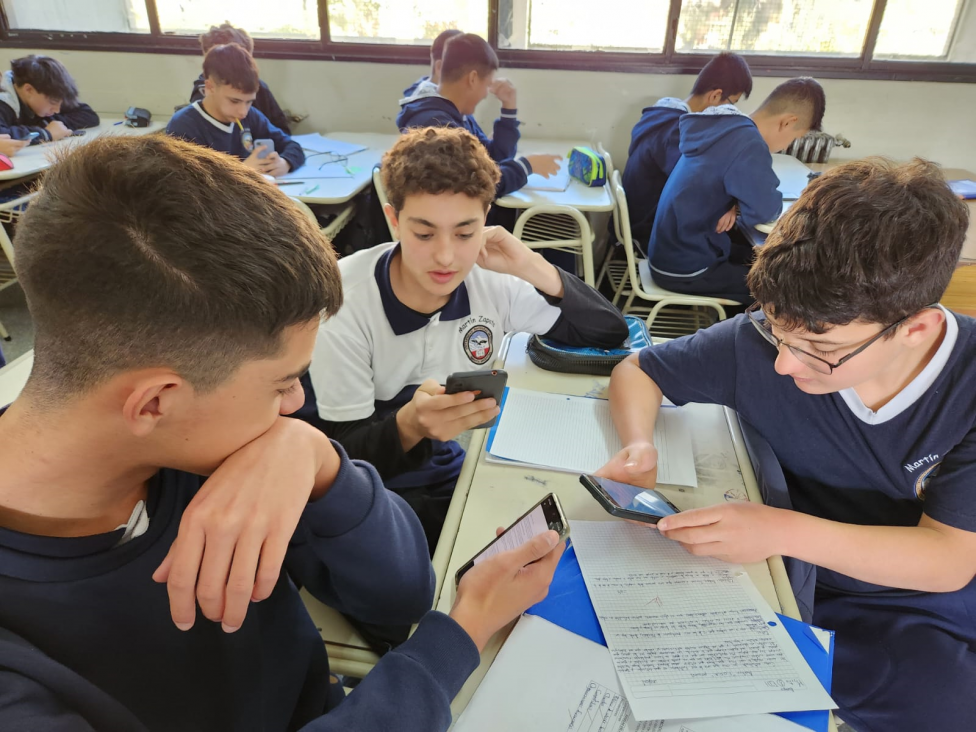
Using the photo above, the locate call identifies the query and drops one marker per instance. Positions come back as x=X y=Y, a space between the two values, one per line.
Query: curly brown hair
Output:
x=439 y=160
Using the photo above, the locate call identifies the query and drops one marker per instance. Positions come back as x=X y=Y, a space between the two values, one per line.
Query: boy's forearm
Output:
x=634 y=402
x=327 y=462
x=543 y=276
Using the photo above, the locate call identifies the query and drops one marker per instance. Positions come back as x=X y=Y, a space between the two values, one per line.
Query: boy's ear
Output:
x=714 y=98
x=920 y=326
x=473 y=78
x=208 y=87
x=788 y=120
x=149 y=399
x=437 y=67
x=391 y=216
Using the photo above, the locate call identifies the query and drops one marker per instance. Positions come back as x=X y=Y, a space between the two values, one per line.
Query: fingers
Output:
x=218 y=554
x=639 y=460
x=499 y=531
x=269 y=570
x=162 y=571
x=535 y=548
x=240 y=583
x=181 y=584
x=430 y=386
x=693 y=517
x=712 y=549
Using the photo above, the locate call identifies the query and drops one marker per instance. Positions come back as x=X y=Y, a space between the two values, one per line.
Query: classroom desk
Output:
x=576 y=195
x=490 y=495
x=793 y=178
x=333 y=189
x=37 y=158
x=960 y=296
x=13 y=376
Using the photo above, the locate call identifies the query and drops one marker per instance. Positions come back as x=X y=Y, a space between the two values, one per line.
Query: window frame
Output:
x=669 y=61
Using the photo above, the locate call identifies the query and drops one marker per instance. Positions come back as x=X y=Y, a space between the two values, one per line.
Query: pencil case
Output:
x=587 y=166
x=554 y=356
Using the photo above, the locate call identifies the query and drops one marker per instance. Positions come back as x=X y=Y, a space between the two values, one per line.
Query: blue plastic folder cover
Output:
x=965 y=189
x=568 y=606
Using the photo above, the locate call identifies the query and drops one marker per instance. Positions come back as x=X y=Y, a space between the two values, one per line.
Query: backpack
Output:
x=554 y=356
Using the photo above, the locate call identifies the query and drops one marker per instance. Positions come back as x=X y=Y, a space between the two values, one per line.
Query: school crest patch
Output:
x=477 y=344
x=922 y=482
x=247 y=139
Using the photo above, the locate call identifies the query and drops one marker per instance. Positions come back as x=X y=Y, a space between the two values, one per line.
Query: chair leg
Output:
x=3 y=332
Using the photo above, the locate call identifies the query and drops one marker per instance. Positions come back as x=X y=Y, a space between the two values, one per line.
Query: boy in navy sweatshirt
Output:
x=225 y=119
x=176 y=299
x=439 y=300
x=467 y=76
x=654 y=150
x=264 y=102
x=861 y=386
x=429 y=83
x=38 y=95
x=726 y=170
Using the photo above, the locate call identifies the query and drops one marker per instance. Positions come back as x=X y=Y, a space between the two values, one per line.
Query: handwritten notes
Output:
x=689 y=636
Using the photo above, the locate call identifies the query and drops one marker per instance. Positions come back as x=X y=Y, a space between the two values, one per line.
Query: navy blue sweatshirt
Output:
x=18 y=120
x=435 y=111
x=264 y=102
x=194 y=124
x=652 y=156
x=87 y=642
x=408 y=92
x=724 y=161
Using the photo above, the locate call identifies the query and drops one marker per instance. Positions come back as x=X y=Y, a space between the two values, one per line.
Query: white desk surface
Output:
x=13 y=376
x=332 y=190
x=576 y=195
x=37 y=158
x=793 y=179
x=490 y=495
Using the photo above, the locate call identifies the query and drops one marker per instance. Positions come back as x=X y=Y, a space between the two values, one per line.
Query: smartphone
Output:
x=33 y=136
x=268 y=148
x=490 y=384
x=77 y=133
x=546 y=514
x=629 y=501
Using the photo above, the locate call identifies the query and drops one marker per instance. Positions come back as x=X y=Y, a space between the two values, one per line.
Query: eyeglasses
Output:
x=821 y=365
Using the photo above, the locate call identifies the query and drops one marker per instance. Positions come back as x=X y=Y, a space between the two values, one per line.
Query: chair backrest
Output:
x=607 y=159
x=381 y=195
x=621 y=225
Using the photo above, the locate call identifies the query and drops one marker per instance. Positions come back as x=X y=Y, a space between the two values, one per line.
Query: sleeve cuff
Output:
x=509 y=113
x=526 y=165
x=444 y=649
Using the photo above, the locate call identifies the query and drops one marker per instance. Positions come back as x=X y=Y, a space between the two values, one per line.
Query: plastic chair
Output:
x=381 y=195
x=664 y=319
x=10 y=211
x=563 y=228
x=613 y=268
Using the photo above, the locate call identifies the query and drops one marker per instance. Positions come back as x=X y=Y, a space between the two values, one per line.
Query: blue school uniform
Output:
x=905 y=660
x=724 y=161
x=429 y=109
x=652 y=156
x=194 y=124
x=18 y=120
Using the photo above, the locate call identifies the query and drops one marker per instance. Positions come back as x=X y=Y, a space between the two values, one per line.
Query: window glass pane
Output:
x=93 y=16
x=618 y=25
x=797 y=27
x=279 y=19
x=404 y=21
x=924 y=30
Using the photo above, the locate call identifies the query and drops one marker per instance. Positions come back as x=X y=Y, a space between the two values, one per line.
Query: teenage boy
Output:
x=438 y=301
x=38 y=95
x=726 y=169
x=226 y=120
x=654 y=150
x=428 y=84
x=176 y=299
x=264 y=102
x=861 y=383
x=467 y=76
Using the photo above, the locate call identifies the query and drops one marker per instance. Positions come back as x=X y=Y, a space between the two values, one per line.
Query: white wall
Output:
x=893 y=118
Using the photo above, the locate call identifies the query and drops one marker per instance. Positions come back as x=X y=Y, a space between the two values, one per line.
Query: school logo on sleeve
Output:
x=477 y=344
x=922 y=482
x=247 y=139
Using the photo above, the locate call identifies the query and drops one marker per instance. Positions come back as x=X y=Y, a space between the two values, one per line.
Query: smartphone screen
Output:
x=632 y=498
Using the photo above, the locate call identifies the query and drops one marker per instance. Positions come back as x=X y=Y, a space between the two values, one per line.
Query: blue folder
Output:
x=568 y=606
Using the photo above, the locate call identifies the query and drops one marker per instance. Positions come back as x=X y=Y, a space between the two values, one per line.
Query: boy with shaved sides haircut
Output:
x=438 y=301
x=427 y=84
x=176 y=298
x=862 y=386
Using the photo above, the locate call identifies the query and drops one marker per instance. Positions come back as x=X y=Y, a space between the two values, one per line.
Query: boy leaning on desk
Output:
x=862 y=384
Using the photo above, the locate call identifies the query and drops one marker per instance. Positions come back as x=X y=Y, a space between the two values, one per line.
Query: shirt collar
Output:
x=672 y=103
x=404 y=320
x=219 y=125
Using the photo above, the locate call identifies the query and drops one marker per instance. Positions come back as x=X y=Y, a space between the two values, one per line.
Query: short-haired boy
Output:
x=437 y=301
x=726 y=170
x=226 y=120
x=654 y=149
x=862 y=385
x=38 y=95
x=467 y=76
x=264 y=102
x=176 y=299
x=427 y=84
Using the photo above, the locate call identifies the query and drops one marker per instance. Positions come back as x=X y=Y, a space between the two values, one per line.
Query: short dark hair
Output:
x=48 y=76
x=225 y=33
x=802 y=96
x=150 y=251
x=728 y=72
x=233 y=65
x=869 y=240
x=439 y=160
x=437 y=47
x=467 y=52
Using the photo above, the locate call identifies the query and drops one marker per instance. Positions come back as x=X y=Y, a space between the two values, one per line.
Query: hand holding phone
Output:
x=268 y=146
x=629 y=501
x=487 y=384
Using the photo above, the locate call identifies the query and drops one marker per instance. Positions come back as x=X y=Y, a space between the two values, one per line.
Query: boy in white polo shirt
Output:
x=436 y=302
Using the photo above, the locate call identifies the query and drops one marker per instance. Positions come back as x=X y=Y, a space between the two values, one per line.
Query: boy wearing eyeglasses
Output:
x=863 y=386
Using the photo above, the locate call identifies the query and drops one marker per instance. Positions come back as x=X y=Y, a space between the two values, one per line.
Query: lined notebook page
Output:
x=689 y=636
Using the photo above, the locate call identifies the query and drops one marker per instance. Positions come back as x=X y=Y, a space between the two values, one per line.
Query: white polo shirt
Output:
x=375 y=351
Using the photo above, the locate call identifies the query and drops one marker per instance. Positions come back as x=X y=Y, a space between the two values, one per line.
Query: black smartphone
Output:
x=546 y=514
x=629 y=501
x=490 y=384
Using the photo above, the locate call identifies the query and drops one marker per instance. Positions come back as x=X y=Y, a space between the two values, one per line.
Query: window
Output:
x=106 y=16
x=573 y=25
x=403 y=21
x=794 y=27
x=297 y=19
x=923 y=29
